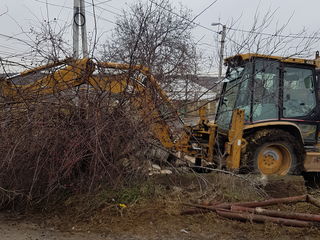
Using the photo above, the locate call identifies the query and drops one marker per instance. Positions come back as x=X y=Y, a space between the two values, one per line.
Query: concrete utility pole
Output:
x=84 y=30
x=76 y=20
x=221 y=52
x=79 y=23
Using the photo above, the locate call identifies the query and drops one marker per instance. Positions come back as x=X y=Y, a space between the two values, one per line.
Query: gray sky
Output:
x=23 y=14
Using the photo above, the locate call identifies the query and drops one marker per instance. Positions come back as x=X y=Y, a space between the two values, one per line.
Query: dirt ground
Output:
x=158 y=215
x=26 y=230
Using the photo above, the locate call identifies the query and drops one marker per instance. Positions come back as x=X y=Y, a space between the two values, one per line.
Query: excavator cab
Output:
x=268 y=89
x=280 y=101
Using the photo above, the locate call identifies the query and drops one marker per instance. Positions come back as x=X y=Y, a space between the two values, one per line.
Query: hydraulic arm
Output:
x=70 y=73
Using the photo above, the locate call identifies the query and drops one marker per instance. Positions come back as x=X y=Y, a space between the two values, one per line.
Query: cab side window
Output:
x=298 y=92
x=265 y=92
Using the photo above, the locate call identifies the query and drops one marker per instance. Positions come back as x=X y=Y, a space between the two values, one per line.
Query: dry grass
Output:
x=153 y=211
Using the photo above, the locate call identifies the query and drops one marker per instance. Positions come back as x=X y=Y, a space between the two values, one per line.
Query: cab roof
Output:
x=247 y=56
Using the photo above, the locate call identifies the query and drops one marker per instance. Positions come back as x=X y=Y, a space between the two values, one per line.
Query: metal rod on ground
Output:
x=269 y=202
x=194 y=211
x=313 y=201
x=211 y=208
x=273 y=213
x=263 y=219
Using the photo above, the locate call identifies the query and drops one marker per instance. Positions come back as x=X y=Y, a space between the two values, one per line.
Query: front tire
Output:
x=274 y=152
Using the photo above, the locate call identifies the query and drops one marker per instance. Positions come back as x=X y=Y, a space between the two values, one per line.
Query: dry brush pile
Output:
x=73 y=141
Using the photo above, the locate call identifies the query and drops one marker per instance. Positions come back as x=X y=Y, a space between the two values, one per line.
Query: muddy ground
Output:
x=152 y=211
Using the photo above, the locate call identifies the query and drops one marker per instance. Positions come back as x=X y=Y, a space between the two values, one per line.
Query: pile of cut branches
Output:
x=68 y=143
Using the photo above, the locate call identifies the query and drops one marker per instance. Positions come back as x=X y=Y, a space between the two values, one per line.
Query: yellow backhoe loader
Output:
x=268 y=115
x=267 y=121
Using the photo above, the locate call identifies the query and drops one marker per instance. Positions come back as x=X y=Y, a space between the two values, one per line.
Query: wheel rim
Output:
x=274 y=159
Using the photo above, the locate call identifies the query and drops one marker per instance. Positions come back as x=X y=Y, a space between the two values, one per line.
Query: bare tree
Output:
x=152 y=34
x=48 y=43
x=267 y=35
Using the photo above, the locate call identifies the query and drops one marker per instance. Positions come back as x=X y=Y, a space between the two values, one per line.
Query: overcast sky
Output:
x=22 y=14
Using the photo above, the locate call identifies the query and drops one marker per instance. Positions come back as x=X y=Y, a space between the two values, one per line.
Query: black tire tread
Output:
x=260 y=137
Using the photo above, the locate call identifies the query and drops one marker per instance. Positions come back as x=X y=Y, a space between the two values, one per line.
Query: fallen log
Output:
x=273 y=213
x=242 y=216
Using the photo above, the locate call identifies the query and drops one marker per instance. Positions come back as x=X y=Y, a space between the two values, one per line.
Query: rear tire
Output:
x=274 y=152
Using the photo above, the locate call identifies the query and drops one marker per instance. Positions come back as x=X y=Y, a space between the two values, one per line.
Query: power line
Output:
x=274 y=34
x=98 y=3
x=234 y=29
x=12 y=55
x=105 y=9
x=15 y=38
x=105 y=3
x=55 y=5
x=102 y=18
x=61 y=6
x=184 y=18
x=199 y=14
x=7 y=47
x=120 y=10
x=207 y=44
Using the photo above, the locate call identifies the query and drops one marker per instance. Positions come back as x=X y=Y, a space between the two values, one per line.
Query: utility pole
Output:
x=221 y=52
x=84 y=30
x=79 y=23
x=76 y=21
x=223 y=38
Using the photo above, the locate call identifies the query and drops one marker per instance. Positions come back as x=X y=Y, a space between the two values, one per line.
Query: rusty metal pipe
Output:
x=211 y=207
x=273 y=213
x=194 y=211
x=242 y=216
x=269 y=202
x=313 y=201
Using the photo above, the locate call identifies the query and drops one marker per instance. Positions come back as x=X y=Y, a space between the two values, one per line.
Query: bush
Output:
x=61 y=146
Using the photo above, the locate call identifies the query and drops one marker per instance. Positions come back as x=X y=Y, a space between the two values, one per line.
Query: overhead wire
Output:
x=9 y=54
x=205 y=9
x=57 y=5
x=120 y=10
x=233 y=29
x=172 y=12
x=105 y=9
x=184 y=18
x=7 y=47
x=274 y=34
x=98 y=3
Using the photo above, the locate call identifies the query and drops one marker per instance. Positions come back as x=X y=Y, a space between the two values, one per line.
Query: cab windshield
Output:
x=235 y=77
x=254 y=90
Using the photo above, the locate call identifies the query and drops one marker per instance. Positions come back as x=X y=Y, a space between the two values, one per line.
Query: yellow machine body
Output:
x=217 y=145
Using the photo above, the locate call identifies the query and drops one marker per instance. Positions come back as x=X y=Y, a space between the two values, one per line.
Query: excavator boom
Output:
x=73 y=73
x=70 y=73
